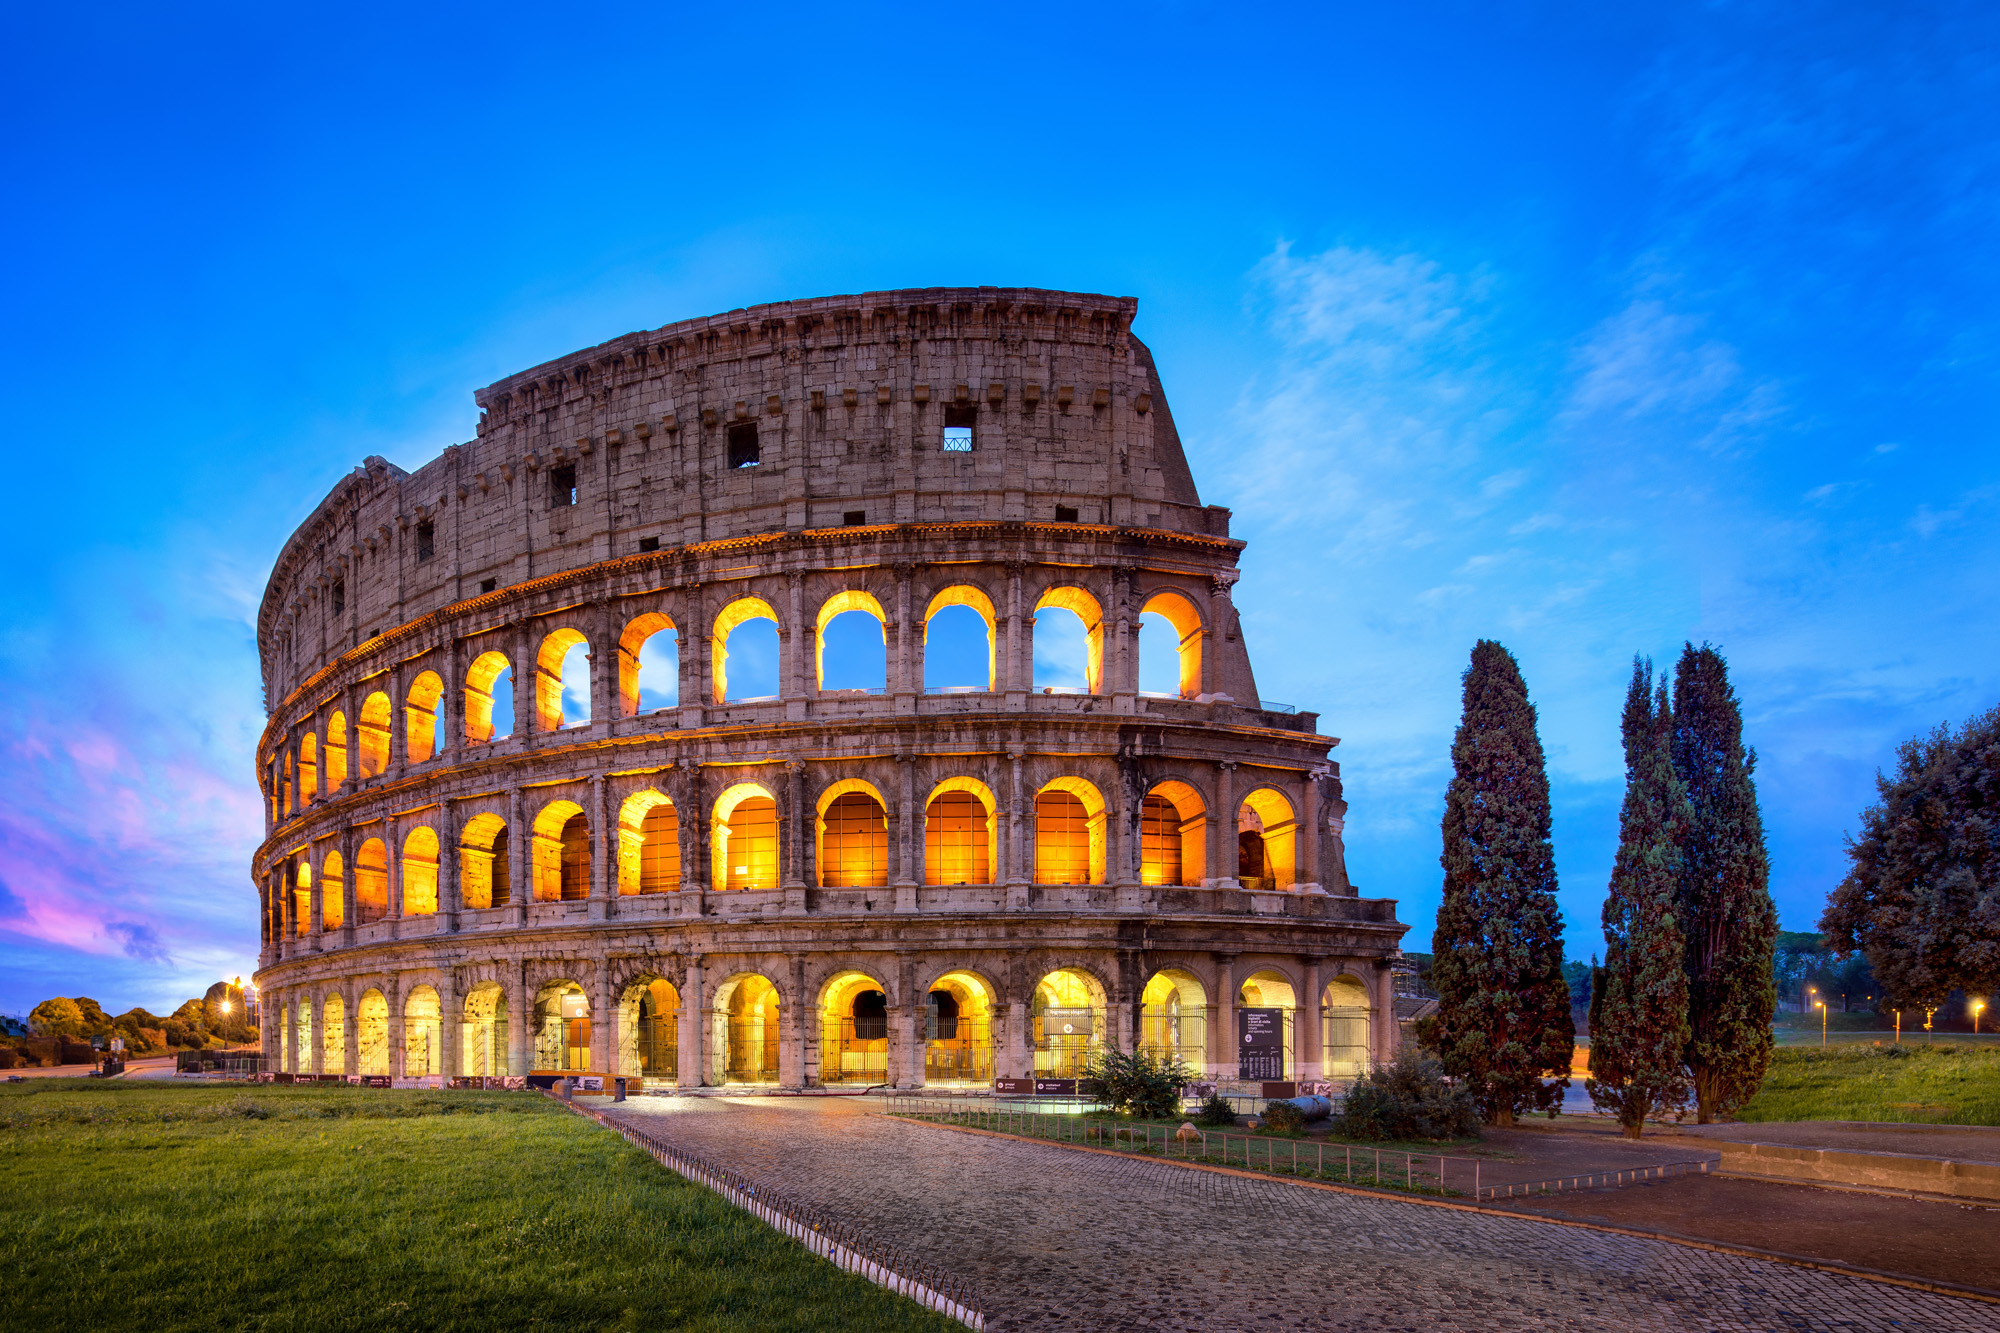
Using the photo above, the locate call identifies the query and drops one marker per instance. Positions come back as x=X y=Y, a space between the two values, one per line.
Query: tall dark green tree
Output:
x=1922 y=895
x=1639 y=1021
x=1727 y=917
x=1503 y=1019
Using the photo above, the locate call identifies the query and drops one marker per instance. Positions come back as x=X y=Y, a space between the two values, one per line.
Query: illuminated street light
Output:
x=1821 y=1006
x=1977 y=1005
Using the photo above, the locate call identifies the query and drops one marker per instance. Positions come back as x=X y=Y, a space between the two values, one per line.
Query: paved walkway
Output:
x=1053 y=1237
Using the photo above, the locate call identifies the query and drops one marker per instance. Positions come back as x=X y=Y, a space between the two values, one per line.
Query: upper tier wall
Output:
x=848 y=395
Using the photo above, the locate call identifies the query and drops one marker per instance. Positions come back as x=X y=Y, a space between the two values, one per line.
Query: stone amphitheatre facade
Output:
x=912 y=880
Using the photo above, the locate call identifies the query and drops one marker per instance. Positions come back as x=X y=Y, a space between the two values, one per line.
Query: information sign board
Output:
x=1260 y=1044
x=574 y=1006
x=1019 y=1086
x=1067 y=1022
x=1055 y=1087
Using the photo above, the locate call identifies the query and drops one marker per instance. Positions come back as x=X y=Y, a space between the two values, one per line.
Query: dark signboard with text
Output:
x=1260 y=1045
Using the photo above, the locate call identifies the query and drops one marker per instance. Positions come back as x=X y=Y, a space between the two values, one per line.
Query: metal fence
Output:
x=819 y=1230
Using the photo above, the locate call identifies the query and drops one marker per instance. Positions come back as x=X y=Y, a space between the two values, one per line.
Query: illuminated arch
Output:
x=1180 y=611
x=957 y=1029
x=480 y=679
x=1173 y=1017
x=331 y=910
x=637 y=631
x=420 y=717
x=482 y=1034
x=961 y=829
x=852 y=832
x=1069 y=841
x=561 y=851
x=1066 y=1021
x=556 y=645
x=744 y=1038
x=854 y=1029
x=649 y=1013
x=302 y=900
x=420 y=871
x=333 y=1035
x=484 y=877
x=302 y=1037
x=371 y=1032
x=561 y=1027
x=649 y=844
x=739 y=612
x=1267 y=814
x=1069 y=597
x=372 y=735
x=371 y=882
x=308 y=769
x=848 y=599
x=1272 y=988
x=964 y=594
x=1345 y=1017
x=423 y=1033
x=336 y=752
x=743 y=838
x=1173 y=835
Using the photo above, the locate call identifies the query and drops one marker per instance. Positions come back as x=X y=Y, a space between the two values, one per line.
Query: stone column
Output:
x=604 y=1017
x=905 y=836
x=796 y=838
x=1222 y=846
x=448 y=890
x=1387 y=1033
x=399 y=724
x=346 y=887
x=520 y=1010
x=603 y=668
x=696 y=1016
x=392 y=844
x=392 y=992
x=1020 y=855
x=693 y=690
x=907 y=1067
x=692 y=803
x=350 y=1031
x=603 y=848
x=451 y=704
x=520 y=891
x=1225 y=1014
x=1016 y=656
x=1312 y=1055
x=315 y=913
x=906 y=645
x=794 y=645
x=449 y=1018
x=792 y=1018
x=1219 y=627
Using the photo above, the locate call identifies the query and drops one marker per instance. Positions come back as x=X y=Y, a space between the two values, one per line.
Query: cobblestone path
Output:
x=1056 y=1238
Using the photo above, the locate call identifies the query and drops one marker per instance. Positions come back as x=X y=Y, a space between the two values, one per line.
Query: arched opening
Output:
x=336 y=752
x=371 y=1033
x=333 y=1036
x=1069 y=833
x=655 y=1024
x=562 y=1029
x=288 y=784
x=743 y=653
x=851 y=643
x=308 y=769
x=423 y=1033
x=483 y=873
x=371 y=882
x=959 y=833
x=1173 y=842
x=1265 y=838
x=420 y=717
x=958 y=1030
x=562 y=680
x=372 y=738
x=649 y=844
x=743 y=834
x=745 y=1040
x=960 y=642
x=330 y=891
x=420 y=872
x=302 y=1036
x=302 y=900
x=1173 y=1018
x=854 y=1030
x=649 y=665
x=482 y=1033
x=489 y=698
x=853 y=836
x=1067 y=1022
x=1069 y=642
x=561 y=853
x=1344 y=1020
x=1170 y=654
x=1272 y=993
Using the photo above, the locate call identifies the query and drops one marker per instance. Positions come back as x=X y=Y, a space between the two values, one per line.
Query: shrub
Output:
x=1138 y=1084
x=1408 y=1098
x=1215 y=1111
x=1284 y=1118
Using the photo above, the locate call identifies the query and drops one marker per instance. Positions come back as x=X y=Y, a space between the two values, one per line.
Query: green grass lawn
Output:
x=199 y=1206
x=1948 y=1083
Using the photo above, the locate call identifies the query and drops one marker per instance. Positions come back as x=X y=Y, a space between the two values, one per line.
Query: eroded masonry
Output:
x=758 y=700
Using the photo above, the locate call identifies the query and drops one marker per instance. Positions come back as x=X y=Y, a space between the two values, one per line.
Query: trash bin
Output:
x=618 y=1090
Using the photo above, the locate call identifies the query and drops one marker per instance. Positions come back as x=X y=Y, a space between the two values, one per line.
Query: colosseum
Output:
x=834 y=692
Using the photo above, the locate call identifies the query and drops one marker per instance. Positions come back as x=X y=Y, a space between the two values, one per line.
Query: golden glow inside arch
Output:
x=480 y=679
x=849 y=599
x=964 y=594
x=420 y=717
x=1173 y=850
x=959 y=843
x=743 y=837
x=1066 y=1022
x=302 y=900
x=637 y=631
x=739 y=612
x=373 y=734
x=649 y=859
x=1084 y=606
x=371 y=881
x=483 y=873
x=1268 y=813
x=420 y=871
x=851 y=842
x=371 y=1032
x=333 y=1035
x=957 y=1030
x=746 y=1025
x=423 y=1033
x=331 y=909
x=1180 y=612
x=336 y=752
x=308 y=769
x=548 y=848
x=854 y=1045
x=548 y=676
x=1069 y=843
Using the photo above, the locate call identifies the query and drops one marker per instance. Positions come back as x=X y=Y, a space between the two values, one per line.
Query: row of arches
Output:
x=850 y=638
x=958 y=1028
x=960 y=836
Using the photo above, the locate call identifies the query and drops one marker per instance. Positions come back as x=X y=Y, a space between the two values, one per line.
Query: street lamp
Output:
x=1821 y=1006
x=1977 y=1005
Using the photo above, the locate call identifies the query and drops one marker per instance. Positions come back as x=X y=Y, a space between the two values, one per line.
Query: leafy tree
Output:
x=1727 y=917
x=1799 y=955
x=1922 y=894
x=1576 y=974
x=1503 y=1022
x=95 y=1021
x=1639 y=1023
x=1138 y=1083
x=57 y=1018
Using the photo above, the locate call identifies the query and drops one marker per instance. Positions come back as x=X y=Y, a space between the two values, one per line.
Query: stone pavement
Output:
x=1055 y=1237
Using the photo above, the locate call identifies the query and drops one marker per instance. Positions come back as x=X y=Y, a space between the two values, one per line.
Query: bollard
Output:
x=618 y=1090
x=568 y=1089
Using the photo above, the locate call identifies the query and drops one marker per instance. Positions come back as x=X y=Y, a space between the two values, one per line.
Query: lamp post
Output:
x=1821 y=1006
x=1977 y=1006
x=1927 y=1024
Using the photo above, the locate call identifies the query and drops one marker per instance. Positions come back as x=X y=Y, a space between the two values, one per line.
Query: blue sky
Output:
x=1592 y=329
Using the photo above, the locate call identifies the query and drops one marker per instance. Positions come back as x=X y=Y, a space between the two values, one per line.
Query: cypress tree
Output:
x=1639 y=1015
x=1503 y=1019
x=1727 y=917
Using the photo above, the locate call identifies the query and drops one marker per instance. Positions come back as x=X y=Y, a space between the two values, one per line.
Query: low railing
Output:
x=1631 y=1175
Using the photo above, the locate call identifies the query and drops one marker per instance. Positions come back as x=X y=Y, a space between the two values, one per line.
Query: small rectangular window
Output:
x=649 y=543
x=488 y=585
x=1064 y=514
x=855 y=518
x=743 y=451
x=426 y=539
x=339 y=596
x=562 y=485
x=958 y=423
